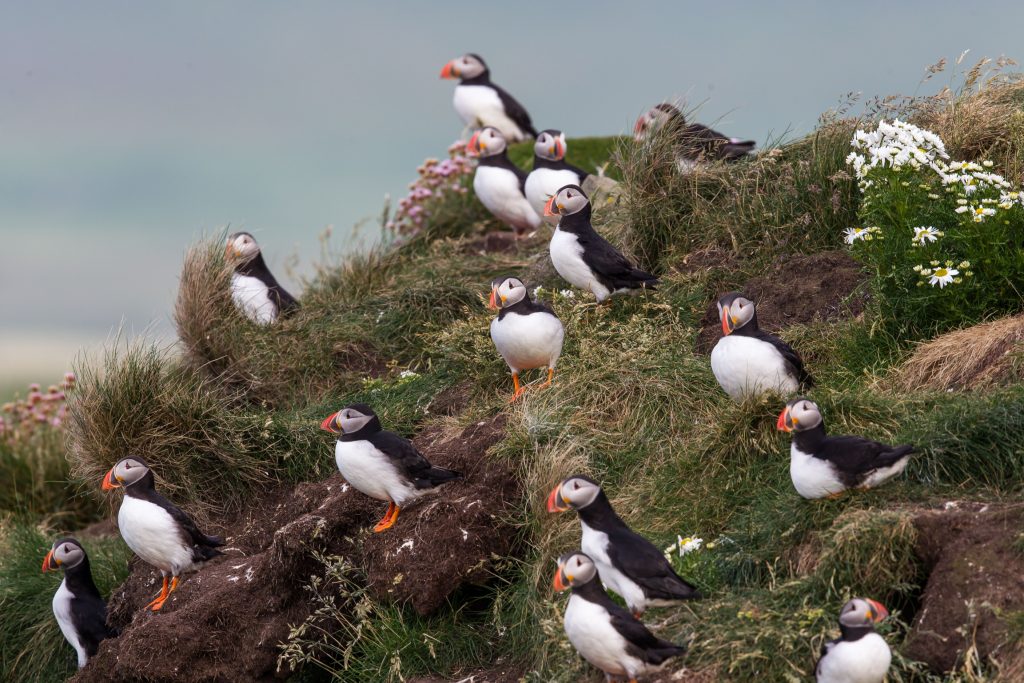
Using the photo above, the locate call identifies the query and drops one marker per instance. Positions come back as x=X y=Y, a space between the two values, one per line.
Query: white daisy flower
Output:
x=925 y=234
x=688 y=545
x=854 y=234
x=942 y=276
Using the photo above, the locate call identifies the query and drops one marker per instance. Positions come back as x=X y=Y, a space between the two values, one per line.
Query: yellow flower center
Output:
x=941 y=272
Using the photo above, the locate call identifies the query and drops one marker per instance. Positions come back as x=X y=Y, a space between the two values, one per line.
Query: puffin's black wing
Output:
x=515 y=111
x=607 y=263
x=89 y=615
x=203 y=544
x=643 y=644
x=410 y=462
x=637 y=558
x=286 y=303
x=854 y=456
x=792 y=358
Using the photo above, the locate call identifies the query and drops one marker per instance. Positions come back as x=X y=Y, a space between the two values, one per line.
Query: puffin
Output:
x=78 y=606
x=381 y=464
x=629 y=564
x=748 y=361
x=859 y=655
x=254 y=289
x=604 y=633
x=499 y=184
x=160 y=533
x=526 y=333
x=584 y=258
x=823 y=465
x=480 y=103
x=694 y=142
x=551 y=171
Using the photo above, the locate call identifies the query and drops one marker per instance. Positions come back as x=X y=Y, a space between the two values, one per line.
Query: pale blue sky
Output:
x=127 y=129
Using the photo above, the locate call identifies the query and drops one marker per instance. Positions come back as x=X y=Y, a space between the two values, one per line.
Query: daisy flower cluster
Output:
x=894 y=145
x=437 y=178
x=941 y=274
x=867 y=234
x=38 y=410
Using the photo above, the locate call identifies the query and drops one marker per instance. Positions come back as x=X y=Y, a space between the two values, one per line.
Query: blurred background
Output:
x=128 y=130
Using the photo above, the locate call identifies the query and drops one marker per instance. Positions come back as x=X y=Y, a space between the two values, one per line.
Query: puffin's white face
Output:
x=567 y=201
x=507 y=292
x=125 y=473
x=241 y=246
x=574 y=569
x=66 y=553
x=862 y=612
x=575 y=492
x=735 y=311
x=348 y=420
x=465 y=67
x=649 y=122
x=487 y=142
x=550 y=145
x=799 y=415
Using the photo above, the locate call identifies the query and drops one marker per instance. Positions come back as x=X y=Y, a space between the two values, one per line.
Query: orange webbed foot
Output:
x=389 y=519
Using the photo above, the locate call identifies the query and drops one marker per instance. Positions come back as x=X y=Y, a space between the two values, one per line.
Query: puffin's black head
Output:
x=241 y=247
x=799 y=415
x=351 y=419
x=66 y=553
x=486 y=142
x=569 y=200
x=861 y=612
x=735 y=311
x=573 y=493
x=655 y=118
x=506 y=291
x=469 y=65
x=550 y=145
x=574 y=569
x=126 y=472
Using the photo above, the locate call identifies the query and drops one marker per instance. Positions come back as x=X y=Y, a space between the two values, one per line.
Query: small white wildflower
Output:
x=943 y=276
x=854 y=234
x=925 y=234
x=987 y=163
x=688 y=545
x=567 y=293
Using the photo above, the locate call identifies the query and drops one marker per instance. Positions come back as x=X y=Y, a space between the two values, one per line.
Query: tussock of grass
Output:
x=38 y=483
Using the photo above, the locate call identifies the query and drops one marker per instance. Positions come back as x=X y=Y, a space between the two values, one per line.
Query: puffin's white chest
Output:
x=153 y=535
x=812 y=477
x=370 y=472
x=590 y=631
x=528 y=341
x=479 y=106
x=498 y=189
x=745 y=366
x=865 y=660
x=252 y=296
x=595 y=544
x=544 y=183
x=567 y=258
x=62 y=611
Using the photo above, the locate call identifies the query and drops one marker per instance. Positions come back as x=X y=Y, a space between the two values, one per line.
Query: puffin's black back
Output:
x=611 y=268
x=256 y=267
x=203 y=546
x=88 y=609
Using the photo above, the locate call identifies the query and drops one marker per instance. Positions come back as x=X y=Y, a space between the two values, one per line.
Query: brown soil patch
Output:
x=224 y=623
x=797 y=290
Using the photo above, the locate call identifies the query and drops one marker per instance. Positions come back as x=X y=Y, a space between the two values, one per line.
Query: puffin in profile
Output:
x=823 y=465
x=551 y=172
x=480 y=103
x=498 y=183
x=748 y=361
x=160 y=533
x=526 y=333
x=381 y=464
x=80 y=610
x=254 y=289
x=584 y=258
x=629 y=564
x=693 y=142
x=602 y=632
x=859 y=655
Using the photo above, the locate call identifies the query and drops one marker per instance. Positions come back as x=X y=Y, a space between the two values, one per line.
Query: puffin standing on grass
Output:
x=550 y=171
x=747 y=361
x=602 y=632
x=480 y=103
x=498 y=183
x=254 y=289
x=859 y=655
x=381 y=464
x=629 y=564
x=584 y=258
x=694 y=142
x=823 y=465
x=78 y=606
x=157 y=531
x=526 y=333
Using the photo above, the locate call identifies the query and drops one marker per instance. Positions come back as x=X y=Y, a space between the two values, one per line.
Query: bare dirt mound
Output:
x=225 y=622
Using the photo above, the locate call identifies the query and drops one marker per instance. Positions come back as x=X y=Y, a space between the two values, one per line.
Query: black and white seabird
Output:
x=80 y=610
x=381 y=464
x=584 y=258
x=499 y=184
x=526 y=333
x=859 y=655
x=748 y=361
x=551 y=172
x=629 y=564
x=155 y=529
x=693 y=142
x=605 y=634
x=254 y=288
x=823 y=465
x=480 y=103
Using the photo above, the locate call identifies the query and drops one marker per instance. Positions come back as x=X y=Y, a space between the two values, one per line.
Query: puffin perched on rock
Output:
x=78 y=606
x=859 y=655
x=551 y=172
x=526 y=333
x=748 y=361
x=157 y=531
x=381 y=464
x=584 y=258
x=499 y=184
x=480 y=103
x=694 y=143
x=823 y=465
x=629 y=564
x=254 y=288
x=602 y=632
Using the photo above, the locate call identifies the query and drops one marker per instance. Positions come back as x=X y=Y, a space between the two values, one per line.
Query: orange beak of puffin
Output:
x=555 y=502
x=880 y=612
x=49 y=562
x=493 y=304
x=329 y=424
x=473 y=146
x=725 y=321
x=448 y=70
x=559 y=583
x=549 y=208
x=109 y=482
x=782 y=425
x=559 y=149
x=639 y=127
